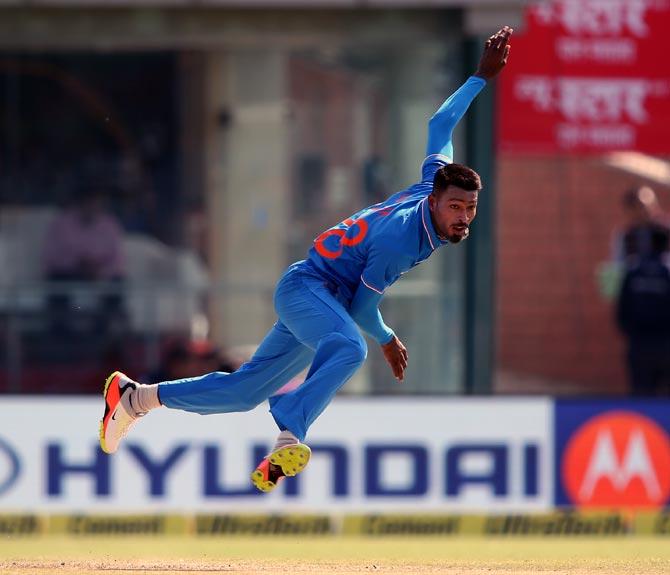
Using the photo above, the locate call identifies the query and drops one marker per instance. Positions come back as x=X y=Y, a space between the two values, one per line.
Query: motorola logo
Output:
x=619 y=458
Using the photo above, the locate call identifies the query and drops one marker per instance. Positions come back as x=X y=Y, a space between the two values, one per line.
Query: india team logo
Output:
x=619 y=458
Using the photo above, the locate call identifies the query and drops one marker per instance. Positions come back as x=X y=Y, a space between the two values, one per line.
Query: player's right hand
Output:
x=495 y=54
x=395 y=354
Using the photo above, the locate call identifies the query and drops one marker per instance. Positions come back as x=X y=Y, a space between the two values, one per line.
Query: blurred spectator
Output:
x=643 y=314
x=644 y=219
x=85 y=244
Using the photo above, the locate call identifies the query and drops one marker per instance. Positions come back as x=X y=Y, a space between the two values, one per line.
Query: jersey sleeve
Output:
x=384 y=266
x=441 y=125
x=365 y=312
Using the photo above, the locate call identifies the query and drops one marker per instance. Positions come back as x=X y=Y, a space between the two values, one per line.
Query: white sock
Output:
x=285 y=438
x=144 y=399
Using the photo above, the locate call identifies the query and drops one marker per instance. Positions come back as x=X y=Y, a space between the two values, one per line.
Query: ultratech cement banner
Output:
x=369 y=455
x=568 y=524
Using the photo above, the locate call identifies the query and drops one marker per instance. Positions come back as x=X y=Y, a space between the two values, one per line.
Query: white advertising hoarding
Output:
x=373 y=454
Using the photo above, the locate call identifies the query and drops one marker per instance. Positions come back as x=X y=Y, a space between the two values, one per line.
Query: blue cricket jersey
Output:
x=380 y=243
x=366 y=253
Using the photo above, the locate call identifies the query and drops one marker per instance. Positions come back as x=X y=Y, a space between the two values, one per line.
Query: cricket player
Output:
x=322 y=301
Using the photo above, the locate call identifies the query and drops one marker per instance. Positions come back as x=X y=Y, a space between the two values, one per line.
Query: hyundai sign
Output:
x=381 y=454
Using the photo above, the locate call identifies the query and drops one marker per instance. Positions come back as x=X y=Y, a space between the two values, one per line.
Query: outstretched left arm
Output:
x=441 y=125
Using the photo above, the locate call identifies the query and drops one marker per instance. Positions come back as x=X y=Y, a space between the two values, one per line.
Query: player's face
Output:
x=452 y=212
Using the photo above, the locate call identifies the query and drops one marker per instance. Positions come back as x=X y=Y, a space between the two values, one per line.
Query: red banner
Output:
x=588 y=76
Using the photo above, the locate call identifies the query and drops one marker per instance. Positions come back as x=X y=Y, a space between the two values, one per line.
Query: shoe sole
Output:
x=108 y=410
x=292 y=459
x=258 y=479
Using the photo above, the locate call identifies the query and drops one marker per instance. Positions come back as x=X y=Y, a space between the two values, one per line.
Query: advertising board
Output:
x=374 y=454
x=585 y=76
x=612 y=454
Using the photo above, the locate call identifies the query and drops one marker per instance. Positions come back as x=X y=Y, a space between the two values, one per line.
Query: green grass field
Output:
x=333 y=555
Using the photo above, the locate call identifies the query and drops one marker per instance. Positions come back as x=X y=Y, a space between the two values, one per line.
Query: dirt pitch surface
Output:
x=332 y=555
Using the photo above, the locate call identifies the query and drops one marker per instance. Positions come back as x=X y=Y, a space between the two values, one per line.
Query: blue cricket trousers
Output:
x=313 y=326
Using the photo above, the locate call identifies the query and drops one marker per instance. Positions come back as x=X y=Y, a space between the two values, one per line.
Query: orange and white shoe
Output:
x=284 y=462
x=118 y=417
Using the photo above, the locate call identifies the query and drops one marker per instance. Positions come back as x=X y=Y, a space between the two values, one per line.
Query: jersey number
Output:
x=320 y=242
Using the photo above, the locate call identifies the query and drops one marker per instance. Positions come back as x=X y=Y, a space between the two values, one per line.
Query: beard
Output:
x=456 y=238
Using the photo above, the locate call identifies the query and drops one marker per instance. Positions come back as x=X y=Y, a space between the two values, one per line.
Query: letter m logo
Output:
x=617 y=459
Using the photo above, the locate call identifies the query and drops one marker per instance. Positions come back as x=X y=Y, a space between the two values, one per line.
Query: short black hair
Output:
x=456 y=175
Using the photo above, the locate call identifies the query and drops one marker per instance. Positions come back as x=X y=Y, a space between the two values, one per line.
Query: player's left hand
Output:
x=395 y=354
x=495 y=54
